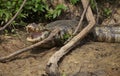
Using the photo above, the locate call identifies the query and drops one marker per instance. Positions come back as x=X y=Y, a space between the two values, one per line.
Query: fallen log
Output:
x=52 y=65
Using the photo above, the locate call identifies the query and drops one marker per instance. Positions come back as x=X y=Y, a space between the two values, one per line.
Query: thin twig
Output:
x=79 y=27
x=51 y=36
x=97 y=17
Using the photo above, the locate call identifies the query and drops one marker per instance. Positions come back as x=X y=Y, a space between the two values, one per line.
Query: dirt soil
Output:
x=90 y=59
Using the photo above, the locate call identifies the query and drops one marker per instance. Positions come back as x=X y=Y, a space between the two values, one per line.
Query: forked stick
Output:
x=52 y=66
x=9 y=57
x=79 y=27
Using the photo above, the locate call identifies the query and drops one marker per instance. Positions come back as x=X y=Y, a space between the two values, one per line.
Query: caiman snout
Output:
x=36 y=33
x=37 y=36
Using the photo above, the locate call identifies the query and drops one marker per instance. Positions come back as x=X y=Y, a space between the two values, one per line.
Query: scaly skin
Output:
x=67 y=27
x=38 y=33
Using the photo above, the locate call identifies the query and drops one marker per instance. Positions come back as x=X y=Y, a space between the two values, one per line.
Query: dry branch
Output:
x=52 y=66
x=7 y=58
x=79 y=27
x=10 y=21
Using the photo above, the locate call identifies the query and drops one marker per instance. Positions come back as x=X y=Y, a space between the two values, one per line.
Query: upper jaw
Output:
x=37 y=36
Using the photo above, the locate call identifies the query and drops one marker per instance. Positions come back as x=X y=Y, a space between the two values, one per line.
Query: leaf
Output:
x=8 y=3
x=60 y=7
x=66 y=36
x=54 y=15
x=13 y=30
x=7 y=16
x=107 y=11
x=93 y=4
x=34 y=9
x=23 y=15
x=36 y=5
x=6 y=32
x=13 y=4
x=1 y=13
x=41 y=8
x=59 y=12
x=74 y=1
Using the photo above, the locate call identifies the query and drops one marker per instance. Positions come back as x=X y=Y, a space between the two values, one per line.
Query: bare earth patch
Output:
x=98 y=58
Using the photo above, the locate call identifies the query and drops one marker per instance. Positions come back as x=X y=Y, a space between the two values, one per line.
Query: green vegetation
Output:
x=93 y=4
x=64 y=74
x=34 y=10
x=41 y=10
x=107 y=12
x=74 y=1
x=66 y=36
x=53 y=13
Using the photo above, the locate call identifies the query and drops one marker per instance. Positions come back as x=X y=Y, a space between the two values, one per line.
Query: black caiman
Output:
x=38 y=32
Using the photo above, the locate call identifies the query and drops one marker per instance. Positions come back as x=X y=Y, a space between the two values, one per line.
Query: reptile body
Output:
x=67 y=27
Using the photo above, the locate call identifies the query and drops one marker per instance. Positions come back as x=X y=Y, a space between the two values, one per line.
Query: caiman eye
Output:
x=44 y=35
x=41 y=39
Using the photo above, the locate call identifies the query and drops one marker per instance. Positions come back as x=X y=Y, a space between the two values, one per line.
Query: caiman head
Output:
x=36 y=32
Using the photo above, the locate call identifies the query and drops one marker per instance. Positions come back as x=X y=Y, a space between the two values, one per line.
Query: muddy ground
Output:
x=89 y=59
